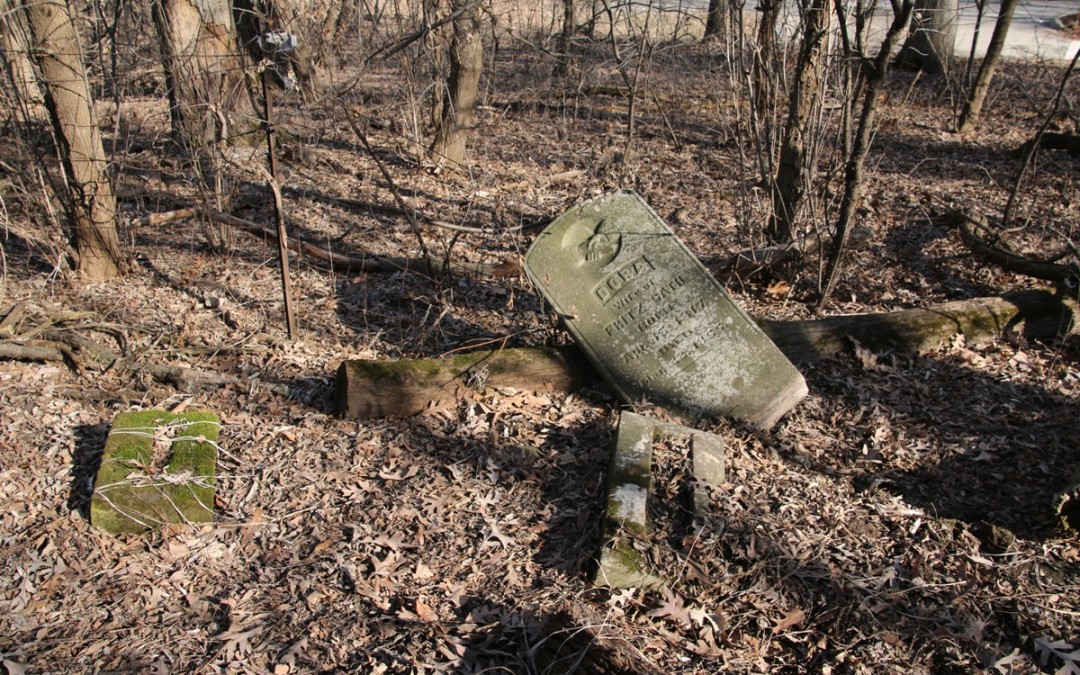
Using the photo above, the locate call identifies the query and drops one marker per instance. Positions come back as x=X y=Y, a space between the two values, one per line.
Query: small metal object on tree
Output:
x=622 y=564
x=158 y=467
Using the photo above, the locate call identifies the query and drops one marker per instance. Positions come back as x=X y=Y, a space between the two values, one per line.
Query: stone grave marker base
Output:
x=622 y=564
x=158 y=467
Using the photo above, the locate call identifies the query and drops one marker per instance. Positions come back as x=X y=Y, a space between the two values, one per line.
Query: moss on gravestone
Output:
x=158 y=467
x=626 y=522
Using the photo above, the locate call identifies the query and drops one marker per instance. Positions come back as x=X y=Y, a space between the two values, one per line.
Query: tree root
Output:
x=988 y=244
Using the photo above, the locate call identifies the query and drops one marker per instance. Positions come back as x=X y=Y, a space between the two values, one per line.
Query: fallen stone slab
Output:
x=158 y=467
x=626 y=519
x=653 y=321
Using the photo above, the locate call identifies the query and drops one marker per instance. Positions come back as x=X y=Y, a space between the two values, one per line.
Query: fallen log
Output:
x=368 y=389
x=975 y=231
x=1029 y=314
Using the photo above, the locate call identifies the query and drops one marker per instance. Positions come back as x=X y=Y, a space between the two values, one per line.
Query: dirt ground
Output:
x=898 y=520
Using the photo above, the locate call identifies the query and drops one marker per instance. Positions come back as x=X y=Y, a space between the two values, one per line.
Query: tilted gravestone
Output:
x=158 y=467
x=651 y=318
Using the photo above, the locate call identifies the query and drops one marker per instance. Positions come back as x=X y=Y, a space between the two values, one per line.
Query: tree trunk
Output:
x=438 y=42
x=91 y=202
x=466 y=64
x=763 y=75
x=969 y=117
x=929 y=46
x=562 y=65
x=400 y=388
x=204 y=70
x=716 y=19
x=15 y=49
x=795 y=174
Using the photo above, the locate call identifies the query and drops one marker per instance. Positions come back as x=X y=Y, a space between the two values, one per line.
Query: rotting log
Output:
x=1029 y=314
x=401 y=388
x=367 y=389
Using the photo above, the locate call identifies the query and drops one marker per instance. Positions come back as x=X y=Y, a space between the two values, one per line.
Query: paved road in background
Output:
x=1032 y=35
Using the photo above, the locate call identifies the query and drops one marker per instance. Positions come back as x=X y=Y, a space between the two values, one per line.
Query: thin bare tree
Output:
x=15 y=52
x=795 y=173
x=969 y=116
x=853 y=179
x=566 y=35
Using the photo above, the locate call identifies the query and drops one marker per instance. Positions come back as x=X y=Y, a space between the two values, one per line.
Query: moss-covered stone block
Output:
x=158 y=467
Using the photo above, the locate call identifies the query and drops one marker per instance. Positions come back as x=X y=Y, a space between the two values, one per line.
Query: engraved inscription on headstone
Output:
x=653 y=320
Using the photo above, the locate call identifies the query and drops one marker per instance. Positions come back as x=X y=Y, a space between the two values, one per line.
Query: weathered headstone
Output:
x=653 y=320
x=622 y=564
x=158 y=467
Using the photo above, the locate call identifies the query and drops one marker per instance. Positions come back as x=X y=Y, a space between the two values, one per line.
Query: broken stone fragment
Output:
x=158 y=467
x=1067 y=504
x=626 y=528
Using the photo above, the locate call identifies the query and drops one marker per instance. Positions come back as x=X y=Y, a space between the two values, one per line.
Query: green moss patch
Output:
x=623 y=566
x=158 y=467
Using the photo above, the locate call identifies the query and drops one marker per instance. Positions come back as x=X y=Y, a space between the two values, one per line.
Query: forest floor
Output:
x=898 y=520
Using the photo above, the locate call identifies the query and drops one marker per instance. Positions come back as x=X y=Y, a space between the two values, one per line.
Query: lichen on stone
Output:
x=157 y=467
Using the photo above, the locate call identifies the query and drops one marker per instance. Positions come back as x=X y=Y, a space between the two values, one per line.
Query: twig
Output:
x=507 y=268
x=1032 y=150
x=410 y=213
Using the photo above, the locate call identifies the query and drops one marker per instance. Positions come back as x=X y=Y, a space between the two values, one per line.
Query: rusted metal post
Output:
x=279 y=207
